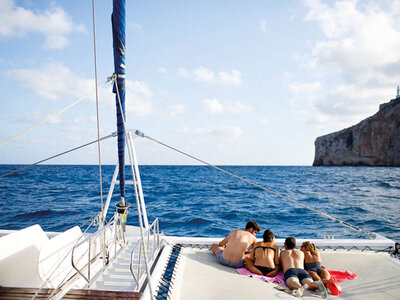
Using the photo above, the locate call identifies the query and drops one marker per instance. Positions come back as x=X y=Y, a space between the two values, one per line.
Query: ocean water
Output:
x=200 y=201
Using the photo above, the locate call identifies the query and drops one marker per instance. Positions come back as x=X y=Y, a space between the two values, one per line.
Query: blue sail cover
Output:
x=118 y=28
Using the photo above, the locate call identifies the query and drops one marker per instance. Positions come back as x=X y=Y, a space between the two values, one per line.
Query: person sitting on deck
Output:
x=296 y=278
x=264 y=256
x=231 y=250
x=312 y=263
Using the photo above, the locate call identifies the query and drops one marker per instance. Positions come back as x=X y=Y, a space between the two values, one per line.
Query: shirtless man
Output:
x=231 y=250
x=296 y=277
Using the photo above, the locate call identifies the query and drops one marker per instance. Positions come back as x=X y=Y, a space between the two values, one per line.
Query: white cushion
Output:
x=19 y=257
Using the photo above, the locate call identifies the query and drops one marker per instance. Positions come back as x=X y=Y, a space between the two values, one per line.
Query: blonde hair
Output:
x=309 y=246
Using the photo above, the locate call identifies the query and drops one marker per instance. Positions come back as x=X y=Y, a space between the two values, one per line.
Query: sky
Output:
x=230 y=82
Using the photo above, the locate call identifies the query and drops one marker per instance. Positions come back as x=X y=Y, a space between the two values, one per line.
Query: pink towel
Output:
x=343 y=276
x=277 y=279
x=339 y=275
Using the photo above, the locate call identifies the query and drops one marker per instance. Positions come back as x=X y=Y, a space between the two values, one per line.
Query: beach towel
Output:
x=343 y=276
x=277 y=279
x=339 y=275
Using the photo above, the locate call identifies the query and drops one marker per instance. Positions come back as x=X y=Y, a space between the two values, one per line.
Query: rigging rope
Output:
x=51 y=116
x=370 y=235
x=54 y=156
x=97 y=109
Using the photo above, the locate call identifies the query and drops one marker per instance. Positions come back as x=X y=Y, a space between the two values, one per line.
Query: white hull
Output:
x=197 y=275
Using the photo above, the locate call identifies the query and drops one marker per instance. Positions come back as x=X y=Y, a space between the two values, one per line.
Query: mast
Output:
x=118 y=29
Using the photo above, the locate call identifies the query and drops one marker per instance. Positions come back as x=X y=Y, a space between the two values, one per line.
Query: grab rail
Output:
x=152 y=233
x=110 y=243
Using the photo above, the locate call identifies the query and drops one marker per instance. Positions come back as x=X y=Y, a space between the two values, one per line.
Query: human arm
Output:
x=249 y=264
x=274 y=272
x=276 y=258
x=252 y=255
x=225 y=240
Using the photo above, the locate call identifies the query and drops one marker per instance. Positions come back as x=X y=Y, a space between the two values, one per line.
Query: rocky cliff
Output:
x=374 y=141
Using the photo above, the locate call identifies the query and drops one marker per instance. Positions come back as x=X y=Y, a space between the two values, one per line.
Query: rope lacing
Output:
x=322 y=248
x=346 y=224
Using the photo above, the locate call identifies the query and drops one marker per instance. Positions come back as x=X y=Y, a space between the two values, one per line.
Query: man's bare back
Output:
x=231 y=250
x=295 y=276
x=236 y=245
x=292 y=259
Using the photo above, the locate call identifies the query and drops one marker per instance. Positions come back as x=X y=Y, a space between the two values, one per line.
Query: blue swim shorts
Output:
x=222 y=261
x=298 y=273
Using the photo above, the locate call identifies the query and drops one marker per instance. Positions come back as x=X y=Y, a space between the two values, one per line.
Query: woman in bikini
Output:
x=312 y=264
x=264 y=256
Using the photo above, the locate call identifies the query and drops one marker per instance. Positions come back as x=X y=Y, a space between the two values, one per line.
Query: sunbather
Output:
x=231 y=250
x=296 y=278
x=264 y=256
x=312 y=263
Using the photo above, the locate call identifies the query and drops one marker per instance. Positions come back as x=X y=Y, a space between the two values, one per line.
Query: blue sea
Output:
x=201 y=201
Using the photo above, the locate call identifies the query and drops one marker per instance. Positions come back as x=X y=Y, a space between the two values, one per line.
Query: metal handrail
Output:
x=152 y=231
x=116 y=239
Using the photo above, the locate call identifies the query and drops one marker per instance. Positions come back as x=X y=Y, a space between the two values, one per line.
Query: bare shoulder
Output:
x=234 y=232
x=284 y=252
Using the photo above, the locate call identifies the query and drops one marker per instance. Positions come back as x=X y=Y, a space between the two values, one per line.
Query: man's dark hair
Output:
x=268 y=236
x=290 y=242
x=252 y=224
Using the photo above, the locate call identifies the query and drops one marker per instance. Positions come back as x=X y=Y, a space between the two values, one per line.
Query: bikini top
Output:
x=265 y=247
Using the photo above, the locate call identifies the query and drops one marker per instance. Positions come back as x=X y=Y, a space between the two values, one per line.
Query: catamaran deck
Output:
x=199 y=276
x=185 y=268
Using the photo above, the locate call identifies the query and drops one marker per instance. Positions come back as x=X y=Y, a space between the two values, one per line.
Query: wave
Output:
x=197 y=200
x=386 y=185
x=199 y=221
x=44 y=213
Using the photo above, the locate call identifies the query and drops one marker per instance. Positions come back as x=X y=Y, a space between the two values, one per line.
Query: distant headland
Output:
x=374 y=141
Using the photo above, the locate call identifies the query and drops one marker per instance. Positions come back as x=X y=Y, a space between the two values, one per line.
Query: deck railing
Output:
x=151 y=244
x=91 y=249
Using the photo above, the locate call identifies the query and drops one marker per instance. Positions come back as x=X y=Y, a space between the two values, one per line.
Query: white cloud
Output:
x=162 y=70
x=176 y=110
x=220 y=132
x=263 y=25
x=138 y=96
x=305 y=88
x=55 y=81
x=361 y=51
x=212 y=106
x=54 y=24
x=238 y=107
x=183 y=73
x=52 y=81
x=140 y=87
x=36 y=116
x=203 y=74
x=233 y=78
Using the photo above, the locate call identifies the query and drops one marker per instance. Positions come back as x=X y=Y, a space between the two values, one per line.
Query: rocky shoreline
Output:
x=374 y=141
